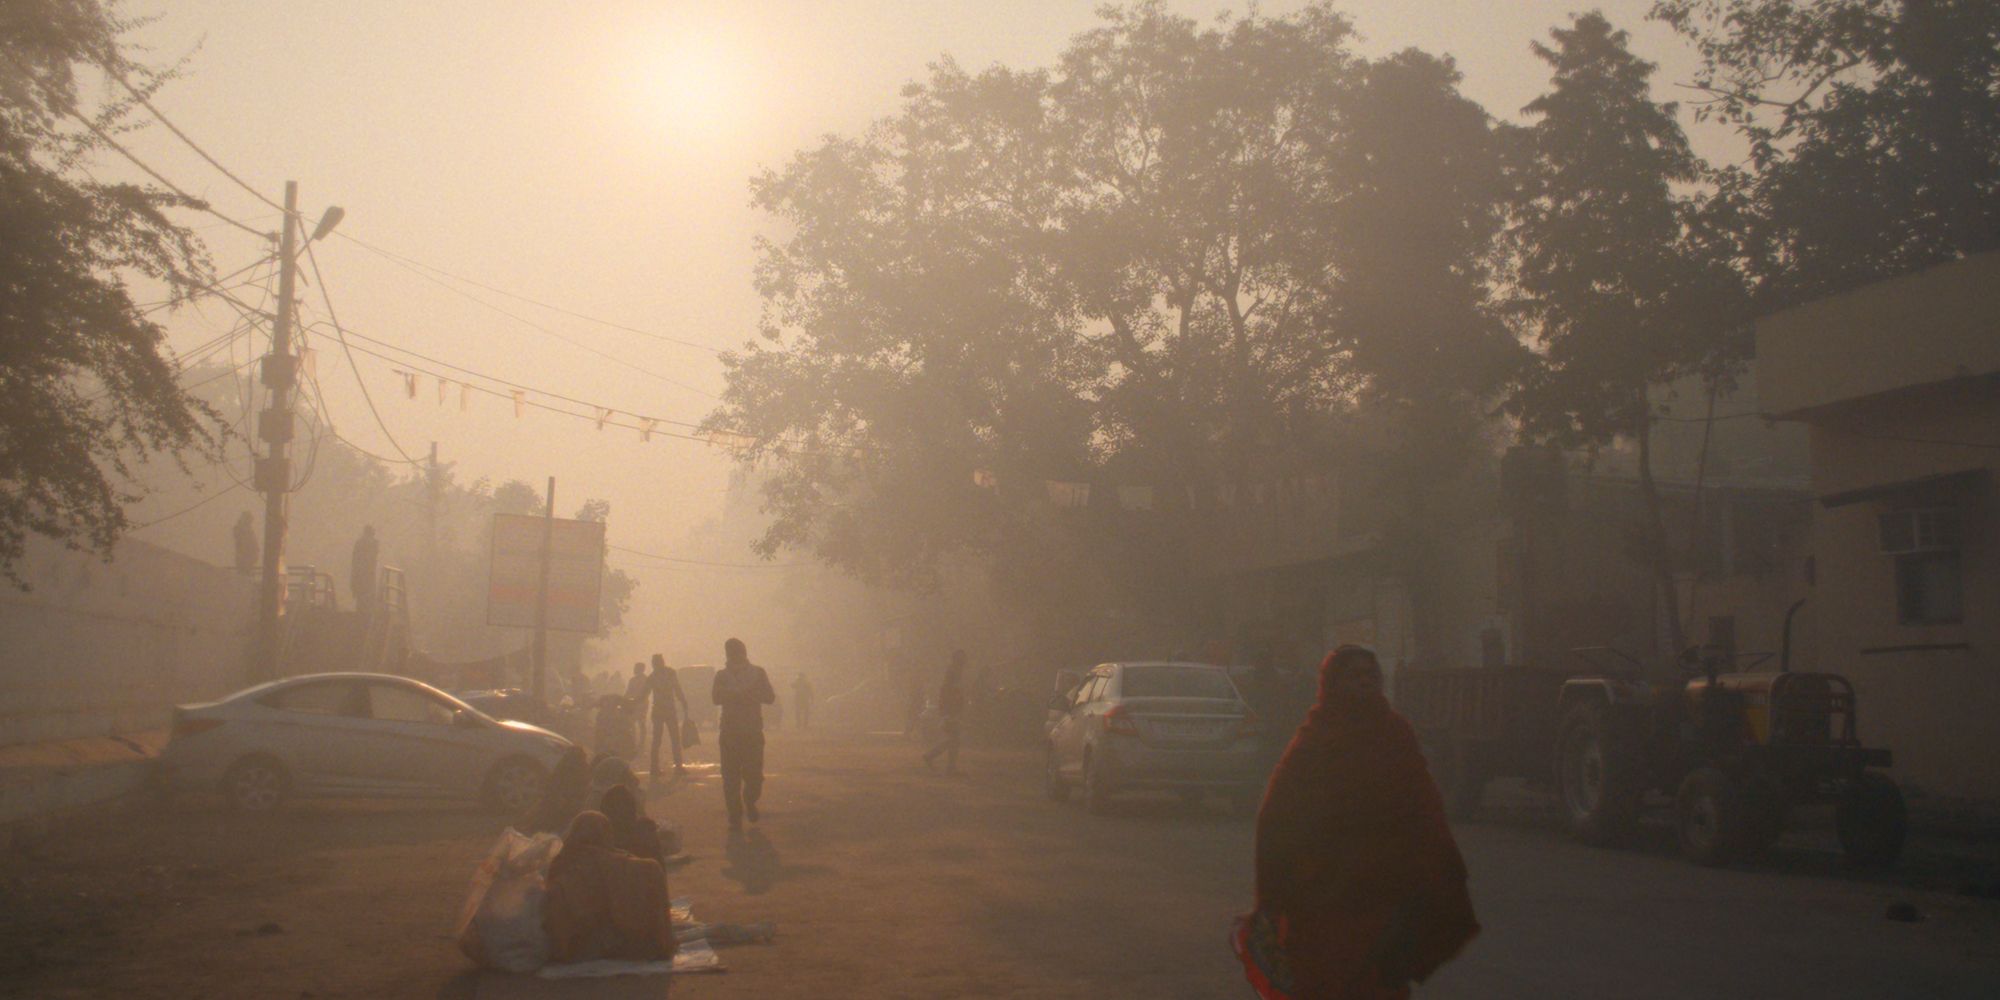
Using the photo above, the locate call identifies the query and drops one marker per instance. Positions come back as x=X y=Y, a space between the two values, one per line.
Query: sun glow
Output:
x=697 y=86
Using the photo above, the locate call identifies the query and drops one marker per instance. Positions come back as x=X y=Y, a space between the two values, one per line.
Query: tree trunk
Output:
x=1656 y=536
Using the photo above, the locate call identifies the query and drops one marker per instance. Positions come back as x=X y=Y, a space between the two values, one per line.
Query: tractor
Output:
x=1733 y=746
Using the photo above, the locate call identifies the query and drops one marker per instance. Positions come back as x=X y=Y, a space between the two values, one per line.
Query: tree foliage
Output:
x=1874 y=128
x=1180 y=256
x=85 y=386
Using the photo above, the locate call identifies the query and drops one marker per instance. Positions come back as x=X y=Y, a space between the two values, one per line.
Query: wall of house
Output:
x=1931 y=693
x=98 y=648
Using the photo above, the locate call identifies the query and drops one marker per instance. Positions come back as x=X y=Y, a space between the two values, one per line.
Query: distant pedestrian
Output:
x=1359 y=882
x=634 y=704
x=247 y=549
x=670 y=709
x=802 y=701
x=741 y=690
x=361 y=569
x=951 y=712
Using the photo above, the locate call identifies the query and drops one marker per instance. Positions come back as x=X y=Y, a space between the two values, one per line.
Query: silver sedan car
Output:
x=1179 y=727
x=355 y=735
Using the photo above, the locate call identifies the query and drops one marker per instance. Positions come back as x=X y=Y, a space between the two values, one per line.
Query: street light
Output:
x=332 y=217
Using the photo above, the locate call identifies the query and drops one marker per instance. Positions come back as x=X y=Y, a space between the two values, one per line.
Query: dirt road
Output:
x=887 y=881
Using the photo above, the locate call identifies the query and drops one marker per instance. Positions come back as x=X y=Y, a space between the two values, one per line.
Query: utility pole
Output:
x=537 y=685
x=273 y=476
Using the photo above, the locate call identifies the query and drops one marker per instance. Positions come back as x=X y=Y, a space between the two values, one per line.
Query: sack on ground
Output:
x=500 y=925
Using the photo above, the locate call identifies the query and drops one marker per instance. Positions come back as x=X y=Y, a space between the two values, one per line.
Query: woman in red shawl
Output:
x=1356 y=870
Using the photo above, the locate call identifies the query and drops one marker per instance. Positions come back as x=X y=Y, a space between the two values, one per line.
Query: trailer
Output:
x=1482 y=723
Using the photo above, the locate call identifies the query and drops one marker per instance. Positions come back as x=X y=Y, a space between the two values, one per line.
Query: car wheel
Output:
x=1096 y=786
x=256 y=785
x=1053 y=784
x=515 y=786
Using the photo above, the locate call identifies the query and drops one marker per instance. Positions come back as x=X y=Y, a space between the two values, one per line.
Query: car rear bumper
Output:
x=1136 y=766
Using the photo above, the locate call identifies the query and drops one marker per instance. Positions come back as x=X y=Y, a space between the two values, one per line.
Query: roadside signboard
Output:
x=576 y=572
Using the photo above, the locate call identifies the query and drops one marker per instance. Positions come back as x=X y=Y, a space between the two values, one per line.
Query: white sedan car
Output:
x=355 y=735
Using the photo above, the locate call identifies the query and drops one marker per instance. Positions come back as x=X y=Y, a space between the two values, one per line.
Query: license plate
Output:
x=1183 y=730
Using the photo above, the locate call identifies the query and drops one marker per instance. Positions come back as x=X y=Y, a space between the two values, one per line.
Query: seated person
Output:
x=566 y=794
x=631 y=831
x=603 y=902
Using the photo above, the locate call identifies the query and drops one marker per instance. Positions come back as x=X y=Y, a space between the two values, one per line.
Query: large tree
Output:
x=85 y=385
x=1619 y=289
x=1874 y=132
x=1039 y=275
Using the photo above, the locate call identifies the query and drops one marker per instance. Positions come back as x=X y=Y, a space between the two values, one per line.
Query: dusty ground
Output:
x=887 y=881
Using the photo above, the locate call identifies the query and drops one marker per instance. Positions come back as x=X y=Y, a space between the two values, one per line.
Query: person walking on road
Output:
x=1360 y=888
x=634 y=704
x=951 y=711
x=802 y=702
x=741 y=690
x=670 y=709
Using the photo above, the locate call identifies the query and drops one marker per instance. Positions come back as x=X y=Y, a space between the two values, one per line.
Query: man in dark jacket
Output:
x=740 y=690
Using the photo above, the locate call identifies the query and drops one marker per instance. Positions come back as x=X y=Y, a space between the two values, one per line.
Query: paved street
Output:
x=888 y=881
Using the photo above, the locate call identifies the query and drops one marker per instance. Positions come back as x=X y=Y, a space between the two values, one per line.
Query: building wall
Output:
x=98 y=648
x=1936 y=707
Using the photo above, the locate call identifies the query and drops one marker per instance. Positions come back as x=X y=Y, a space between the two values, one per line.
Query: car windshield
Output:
x=1176 y=682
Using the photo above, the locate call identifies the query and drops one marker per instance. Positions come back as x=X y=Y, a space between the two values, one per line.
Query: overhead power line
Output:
x=341 y=335
x=516 y=296
x=706 y=562
x=137 y=95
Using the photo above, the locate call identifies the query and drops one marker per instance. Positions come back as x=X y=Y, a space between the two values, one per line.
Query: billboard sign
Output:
x=576 y=572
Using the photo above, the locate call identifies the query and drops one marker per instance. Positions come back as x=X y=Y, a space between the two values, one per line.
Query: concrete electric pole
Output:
x=275 y=426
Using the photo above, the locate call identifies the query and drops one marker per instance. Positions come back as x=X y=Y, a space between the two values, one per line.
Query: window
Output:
x=324 y=698
x=1177 y=682
x=394 y=703
x=1930 y=589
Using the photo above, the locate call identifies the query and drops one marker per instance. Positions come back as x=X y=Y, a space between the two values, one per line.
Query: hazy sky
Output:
x=595 y=155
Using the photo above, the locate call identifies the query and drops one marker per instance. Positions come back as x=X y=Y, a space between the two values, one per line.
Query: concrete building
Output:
x=1899 y=384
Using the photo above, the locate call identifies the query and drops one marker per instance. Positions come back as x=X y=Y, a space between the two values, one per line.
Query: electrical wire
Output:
x=578 y=344
x=204 y=501
x=193 y=202
x=586 y=317
x=115 y=74
x=705 y=562
x=341 y=335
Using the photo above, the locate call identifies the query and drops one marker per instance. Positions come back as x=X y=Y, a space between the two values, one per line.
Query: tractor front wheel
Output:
x=1712 y=818
x=1597 y=775
x=1872 y=821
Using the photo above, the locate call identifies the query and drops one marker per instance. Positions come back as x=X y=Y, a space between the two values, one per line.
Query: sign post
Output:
x=547 y=573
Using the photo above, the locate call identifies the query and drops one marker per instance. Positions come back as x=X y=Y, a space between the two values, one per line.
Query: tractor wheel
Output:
x=1712 y=818
x=1871 y=820
x=1053 y=784
x=1597 y=775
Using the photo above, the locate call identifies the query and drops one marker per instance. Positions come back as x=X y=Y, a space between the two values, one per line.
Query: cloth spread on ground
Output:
x=1353 y=850
x=693 y=957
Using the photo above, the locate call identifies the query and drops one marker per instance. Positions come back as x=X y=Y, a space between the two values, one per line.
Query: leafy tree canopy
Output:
x=1874 y=128
x=84 y=383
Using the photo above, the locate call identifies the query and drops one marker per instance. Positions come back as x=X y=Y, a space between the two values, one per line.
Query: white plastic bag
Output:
x=500 y=925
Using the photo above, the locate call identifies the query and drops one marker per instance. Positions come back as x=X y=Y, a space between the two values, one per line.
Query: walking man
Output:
x=635 y=707
x=670 y=708
x=951 y=709
x=361 y=569
x=802 y=701
x=741 y=690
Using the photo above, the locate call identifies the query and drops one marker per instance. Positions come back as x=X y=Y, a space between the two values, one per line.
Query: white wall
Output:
x=97 y=648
